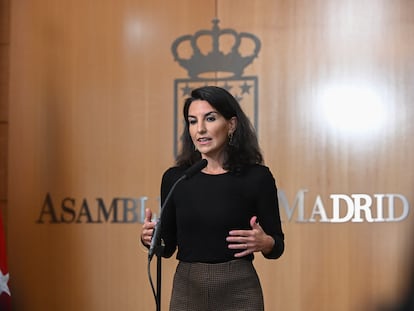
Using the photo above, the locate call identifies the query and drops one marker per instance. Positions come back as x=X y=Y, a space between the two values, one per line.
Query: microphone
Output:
x=190 y=172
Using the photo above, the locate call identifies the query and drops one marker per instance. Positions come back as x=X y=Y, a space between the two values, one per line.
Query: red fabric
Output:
x=5 y=299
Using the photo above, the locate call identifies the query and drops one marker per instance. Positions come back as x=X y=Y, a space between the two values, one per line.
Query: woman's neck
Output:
x=214 y=167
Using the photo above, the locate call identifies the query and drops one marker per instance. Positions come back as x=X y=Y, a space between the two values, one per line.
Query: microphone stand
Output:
x=157 y=247
x=158 y=253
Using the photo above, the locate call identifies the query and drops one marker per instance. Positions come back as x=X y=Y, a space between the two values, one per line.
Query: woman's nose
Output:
x=201 y=127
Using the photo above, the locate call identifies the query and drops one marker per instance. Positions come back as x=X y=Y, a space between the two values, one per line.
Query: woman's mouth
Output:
x=203 y=140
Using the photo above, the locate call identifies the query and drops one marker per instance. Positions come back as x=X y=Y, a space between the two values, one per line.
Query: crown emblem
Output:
x=226 y=51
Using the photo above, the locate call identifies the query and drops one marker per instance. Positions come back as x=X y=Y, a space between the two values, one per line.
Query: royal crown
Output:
x=215 y=60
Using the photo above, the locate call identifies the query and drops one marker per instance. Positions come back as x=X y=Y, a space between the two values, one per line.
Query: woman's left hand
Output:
x=250 y=241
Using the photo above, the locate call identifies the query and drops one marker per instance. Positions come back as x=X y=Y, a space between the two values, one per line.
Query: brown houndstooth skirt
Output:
x=229 y=286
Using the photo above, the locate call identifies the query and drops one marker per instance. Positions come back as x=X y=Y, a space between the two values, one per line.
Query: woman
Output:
x=222 y=215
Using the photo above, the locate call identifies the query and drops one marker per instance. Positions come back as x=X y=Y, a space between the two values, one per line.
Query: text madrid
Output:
x=342 y=208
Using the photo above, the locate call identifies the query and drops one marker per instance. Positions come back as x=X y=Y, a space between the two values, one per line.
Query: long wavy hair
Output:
x=243 y=148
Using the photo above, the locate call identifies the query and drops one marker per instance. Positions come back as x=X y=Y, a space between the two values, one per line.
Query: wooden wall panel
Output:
x=4 y=97
x=4 y=81
x=91 y=115
x=4 y=21
x=3 y=164
x=4 y=75
x=91 y=87
x=308 y=47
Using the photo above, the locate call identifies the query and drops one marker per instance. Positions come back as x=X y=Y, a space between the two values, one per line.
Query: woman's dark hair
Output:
x=242 y=150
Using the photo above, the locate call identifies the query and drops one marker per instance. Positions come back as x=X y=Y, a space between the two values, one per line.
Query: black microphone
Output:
x=190 y=172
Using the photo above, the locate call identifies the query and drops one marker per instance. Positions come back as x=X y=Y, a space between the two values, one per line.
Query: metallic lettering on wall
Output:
x=342 y=208
x=215 y=57
x=339 y=208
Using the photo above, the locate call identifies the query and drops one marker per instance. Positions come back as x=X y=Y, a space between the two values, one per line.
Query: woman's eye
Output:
x=192 y=121
x=211 y=118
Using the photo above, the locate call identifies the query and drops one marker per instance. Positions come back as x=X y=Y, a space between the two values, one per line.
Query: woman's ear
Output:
x=233 y=124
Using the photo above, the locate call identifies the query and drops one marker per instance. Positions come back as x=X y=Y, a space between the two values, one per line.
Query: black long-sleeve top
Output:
x=203 y=209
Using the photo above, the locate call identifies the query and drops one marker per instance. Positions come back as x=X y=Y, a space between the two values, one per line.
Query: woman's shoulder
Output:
x=258 y=172
x=173 y=171
x=170 y=176
x=258 y=169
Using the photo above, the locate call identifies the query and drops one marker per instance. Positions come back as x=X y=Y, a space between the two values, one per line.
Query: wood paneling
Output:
x=4 y=98
x=91 y=88
x=3 y=161
x=4 y=74
x=4 y=21
x=4 y=82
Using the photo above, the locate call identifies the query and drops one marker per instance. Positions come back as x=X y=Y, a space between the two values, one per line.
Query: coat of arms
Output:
x=215 y=57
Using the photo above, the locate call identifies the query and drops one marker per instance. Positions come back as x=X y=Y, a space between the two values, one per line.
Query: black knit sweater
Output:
x=203 y=209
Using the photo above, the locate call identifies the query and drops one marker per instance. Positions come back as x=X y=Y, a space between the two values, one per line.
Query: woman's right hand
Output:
x=147 y=228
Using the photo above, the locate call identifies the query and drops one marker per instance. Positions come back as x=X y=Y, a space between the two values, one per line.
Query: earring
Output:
x=231 y=139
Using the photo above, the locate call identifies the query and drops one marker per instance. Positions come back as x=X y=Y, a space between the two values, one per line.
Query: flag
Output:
x=5 y=296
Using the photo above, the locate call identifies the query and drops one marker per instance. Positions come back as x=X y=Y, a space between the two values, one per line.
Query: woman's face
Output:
x=208 y=129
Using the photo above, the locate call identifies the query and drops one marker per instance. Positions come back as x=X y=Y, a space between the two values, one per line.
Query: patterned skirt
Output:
x=229 y=286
